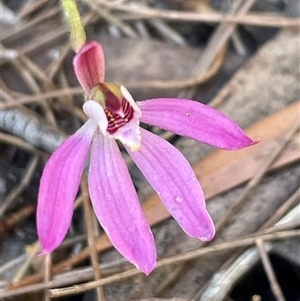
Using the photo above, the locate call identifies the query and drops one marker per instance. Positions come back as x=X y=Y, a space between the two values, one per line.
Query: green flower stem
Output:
x=77 y=32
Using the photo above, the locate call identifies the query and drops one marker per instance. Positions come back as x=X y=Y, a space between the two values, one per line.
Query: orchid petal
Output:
x=130 y=99
x=89 y=65
x=172 y=177
x=117 y=206
x=94 y=110
x=59 y=185
x=194 y=120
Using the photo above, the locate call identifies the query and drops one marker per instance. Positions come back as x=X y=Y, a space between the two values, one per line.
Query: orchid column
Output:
x=114 y=115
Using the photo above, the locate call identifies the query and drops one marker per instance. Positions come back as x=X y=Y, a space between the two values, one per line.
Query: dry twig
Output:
x=276 y=289
x=14 y=219
x=105 y=13
x=257 y=178
x=164 y=262
x=171 y=260
x=249 y=19
x=47 y=277
x=25 y=266
x=90 y=233
x=242 y=260
x=25 y=180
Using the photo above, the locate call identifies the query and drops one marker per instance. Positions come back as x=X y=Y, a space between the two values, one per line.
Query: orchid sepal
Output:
x=117 y=206
x=59 y=185
x=89 y=65
x=195 y=120
x=173 y=178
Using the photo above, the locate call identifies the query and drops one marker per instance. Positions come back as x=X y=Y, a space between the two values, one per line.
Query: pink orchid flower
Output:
x=113 y=114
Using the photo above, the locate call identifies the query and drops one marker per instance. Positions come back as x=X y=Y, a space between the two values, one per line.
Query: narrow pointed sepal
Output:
x=172 y=177
x=194 y=120
x=89 y=65
x=59 y=186
x=117 y=206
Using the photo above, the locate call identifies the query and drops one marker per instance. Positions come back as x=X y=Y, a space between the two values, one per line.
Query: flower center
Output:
x=116 y=113
x=116 y=107
x=115 y=120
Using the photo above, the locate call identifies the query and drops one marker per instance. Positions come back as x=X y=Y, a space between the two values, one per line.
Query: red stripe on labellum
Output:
x=115 y=121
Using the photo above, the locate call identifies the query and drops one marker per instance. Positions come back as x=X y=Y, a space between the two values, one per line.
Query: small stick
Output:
x=11 y=265
x=260 y=20
x=7 y=54
x=40 y=97
x=142 y=30
x=88 y=19
x=265 y=20
x=54 y=67
x=267 y=227
x=222 y=96
x=5 y=89
x=21 y=186
x=105 y=14
x=34 y=87
x=55 y=293
x=278 y=214
x=68 y=99
x=47 y=276
x=279 y=227
x=15 y=218
x=276 y=289
x=218 y=41
x=257 y=178
x=170 y=279
x=238 y=243
x=184 y=83
x=40 y=18
x=167 y=32
x=31 y=8
x=22 y=271
x=19 y=143
x=7 y=15
x=90 y=233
